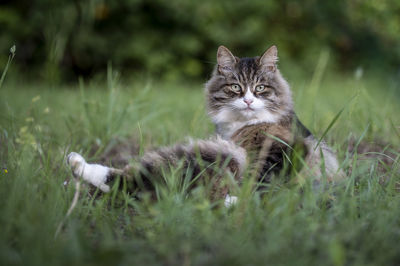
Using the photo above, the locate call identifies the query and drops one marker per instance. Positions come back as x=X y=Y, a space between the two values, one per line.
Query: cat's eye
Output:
x=260 y=88
x=235 y=88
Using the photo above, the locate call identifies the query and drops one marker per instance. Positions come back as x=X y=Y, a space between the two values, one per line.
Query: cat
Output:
x=251 y=105
x=251 y=91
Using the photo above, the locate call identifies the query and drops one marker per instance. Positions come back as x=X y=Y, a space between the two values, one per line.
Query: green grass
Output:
x=289 y=224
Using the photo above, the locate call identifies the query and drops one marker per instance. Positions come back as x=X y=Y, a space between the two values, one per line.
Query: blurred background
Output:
x=59 y=41
x=113 y=78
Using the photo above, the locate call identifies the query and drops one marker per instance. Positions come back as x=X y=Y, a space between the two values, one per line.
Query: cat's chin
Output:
x=259 y=115
x=248 y=113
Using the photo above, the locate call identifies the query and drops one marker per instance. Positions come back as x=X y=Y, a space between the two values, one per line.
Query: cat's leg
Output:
x=211 y=159
x=94 y=174
x=98 y=175
x=321 y=161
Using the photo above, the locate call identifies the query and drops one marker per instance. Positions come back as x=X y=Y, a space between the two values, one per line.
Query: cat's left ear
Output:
x=269 y=59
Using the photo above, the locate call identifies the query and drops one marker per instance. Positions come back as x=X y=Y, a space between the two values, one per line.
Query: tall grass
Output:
x=356 y=222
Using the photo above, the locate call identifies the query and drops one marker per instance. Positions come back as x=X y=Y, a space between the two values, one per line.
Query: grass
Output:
x=288 y=225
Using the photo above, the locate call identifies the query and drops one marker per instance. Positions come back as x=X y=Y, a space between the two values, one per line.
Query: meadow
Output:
x=355 y=222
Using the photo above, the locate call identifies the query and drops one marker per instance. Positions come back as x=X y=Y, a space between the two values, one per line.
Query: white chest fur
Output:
x=228 y=123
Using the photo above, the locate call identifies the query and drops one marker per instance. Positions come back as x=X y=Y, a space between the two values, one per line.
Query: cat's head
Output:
x=243 y=89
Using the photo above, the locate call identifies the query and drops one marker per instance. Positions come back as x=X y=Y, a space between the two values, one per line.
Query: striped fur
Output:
x=269 y=111
x=251 y=105
x=211 y=159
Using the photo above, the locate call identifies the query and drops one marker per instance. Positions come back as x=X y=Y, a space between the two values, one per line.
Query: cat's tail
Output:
x=213 y=156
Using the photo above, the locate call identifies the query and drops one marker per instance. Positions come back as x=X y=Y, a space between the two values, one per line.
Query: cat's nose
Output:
x=248 y=101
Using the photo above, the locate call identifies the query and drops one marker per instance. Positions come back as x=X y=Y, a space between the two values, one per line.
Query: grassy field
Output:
x=288 y=225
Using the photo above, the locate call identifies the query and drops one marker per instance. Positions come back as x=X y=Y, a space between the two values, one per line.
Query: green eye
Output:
x=260 y=88
x=235 y=88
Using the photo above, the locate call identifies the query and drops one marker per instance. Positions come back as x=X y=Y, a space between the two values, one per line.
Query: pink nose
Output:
x=248 y=101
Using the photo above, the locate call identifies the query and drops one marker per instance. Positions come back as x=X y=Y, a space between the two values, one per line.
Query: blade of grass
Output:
x=10 y=58
x=317 y=77
x=329 y=127
x=362 y=137
x=298 y=156
x=394 y=128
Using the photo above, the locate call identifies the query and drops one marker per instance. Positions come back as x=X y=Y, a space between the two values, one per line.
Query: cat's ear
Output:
x=226 y=60
x=269 y=59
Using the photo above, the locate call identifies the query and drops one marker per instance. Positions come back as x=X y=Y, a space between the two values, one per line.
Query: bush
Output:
x=170 y=39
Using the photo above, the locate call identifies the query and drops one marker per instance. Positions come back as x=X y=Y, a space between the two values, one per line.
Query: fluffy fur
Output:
x=251 y=105
x=251 y=93
x=212 y=159
x=228 y=109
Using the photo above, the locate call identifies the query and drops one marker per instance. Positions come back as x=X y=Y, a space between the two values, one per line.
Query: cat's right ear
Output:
x=226 y=60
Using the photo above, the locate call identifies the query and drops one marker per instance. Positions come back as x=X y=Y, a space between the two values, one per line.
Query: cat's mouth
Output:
x=248 y=109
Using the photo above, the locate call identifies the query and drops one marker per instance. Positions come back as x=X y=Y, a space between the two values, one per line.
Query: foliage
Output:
x=354 y=223
x=178 y=39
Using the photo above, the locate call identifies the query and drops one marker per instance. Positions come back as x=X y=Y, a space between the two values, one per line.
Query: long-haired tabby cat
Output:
x=251 y=105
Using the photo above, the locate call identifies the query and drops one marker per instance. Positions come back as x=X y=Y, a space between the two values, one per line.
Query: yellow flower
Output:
x=5 y=170
x=25 y=137
x=36 y=98
x=23 y=130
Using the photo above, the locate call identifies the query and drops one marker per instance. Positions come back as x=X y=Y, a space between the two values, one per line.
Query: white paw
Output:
x=230 y=201
x=95 y=174
x=76 y=162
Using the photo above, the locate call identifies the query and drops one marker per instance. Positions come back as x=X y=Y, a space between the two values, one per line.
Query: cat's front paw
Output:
x=95 y=174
